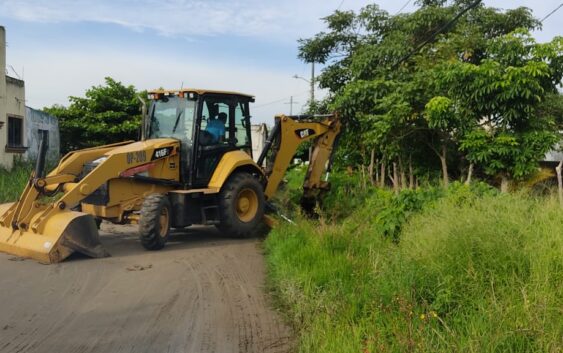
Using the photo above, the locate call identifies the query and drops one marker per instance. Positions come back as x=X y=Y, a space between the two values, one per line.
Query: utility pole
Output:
x=311 y=82
x=291 y=103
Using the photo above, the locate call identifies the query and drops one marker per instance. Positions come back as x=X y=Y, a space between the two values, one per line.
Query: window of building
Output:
x=15 y=132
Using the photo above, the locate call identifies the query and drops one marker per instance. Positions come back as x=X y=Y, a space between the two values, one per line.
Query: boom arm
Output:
x=288 y=133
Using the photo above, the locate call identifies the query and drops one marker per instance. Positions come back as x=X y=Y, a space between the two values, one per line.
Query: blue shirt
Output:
x=216 y=128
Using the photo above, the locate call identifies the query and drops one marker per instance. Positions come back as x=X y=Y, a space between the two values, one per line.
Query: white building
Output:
x=19 y=134
x=258 y=134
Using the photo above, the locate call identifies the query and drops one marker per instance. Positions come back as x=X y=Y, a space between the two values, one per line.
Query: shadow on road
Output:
x=122 y=241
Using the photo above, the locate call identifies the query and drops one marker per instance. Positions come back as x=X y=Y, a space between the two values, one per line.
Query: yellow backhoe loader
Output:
x=193 y=165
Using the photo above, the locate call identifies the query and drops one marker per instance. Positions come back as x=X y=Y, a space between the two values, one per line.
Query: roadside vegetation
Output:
x=429 y=239
x=430 y=270
x=480 y=99
x=13 y=181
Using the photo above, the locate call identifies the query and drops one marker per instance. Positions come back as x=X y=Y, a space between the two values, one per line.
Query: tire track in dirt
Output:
x=202 y=293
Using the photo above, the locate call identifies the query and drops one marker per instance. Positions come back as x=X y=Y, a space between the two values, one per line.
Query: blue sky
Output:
x=62 y=47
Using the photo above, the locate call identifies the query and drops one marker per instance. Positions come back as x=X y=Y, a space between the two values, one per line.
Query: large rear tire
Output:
x=241 y=206
x=154 y=225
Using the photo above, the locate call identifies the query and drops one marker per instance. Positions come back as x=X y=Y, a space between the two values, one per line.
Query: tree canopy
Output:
x=480 y=93
x=108 y=113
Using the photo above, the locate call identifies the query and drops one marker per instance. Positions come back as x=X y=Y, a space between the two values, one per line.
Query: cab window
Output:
x=241 y=125
x=172 y=117
x=215 y=121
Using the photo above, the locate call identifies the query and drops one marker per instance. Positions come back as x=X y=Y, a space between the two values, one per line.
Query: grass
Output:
x=13 y=181
x=463 y=270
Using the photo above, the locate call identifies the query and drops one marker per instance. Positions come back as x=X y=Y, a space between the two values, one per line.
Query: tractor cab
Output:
x=208 y=124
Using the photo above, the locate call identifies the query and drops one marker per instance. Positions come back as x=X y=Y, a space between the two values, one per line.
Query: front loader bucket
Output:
x=64 y=233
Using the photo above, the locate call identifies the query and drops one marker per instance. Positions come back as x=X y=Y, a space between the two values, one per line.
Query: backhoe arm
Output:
x=288 y=133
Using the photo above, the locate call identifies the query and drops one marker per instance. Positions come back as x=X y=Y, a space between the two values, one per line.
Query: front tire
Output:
x=154 y=225
x=241 y=206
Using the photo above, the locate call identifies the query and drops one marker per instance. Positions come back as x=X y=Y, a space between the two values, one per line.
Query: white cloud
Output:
x=170 y=17
x=55 y=75
x=288 y=19
x=56 y=71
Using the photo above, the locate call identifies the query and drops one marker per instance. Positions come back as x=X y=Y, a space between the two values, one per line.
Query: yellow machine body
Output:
x=58 y=213
x=56 y=242
x=50 y=229
x=229 y=163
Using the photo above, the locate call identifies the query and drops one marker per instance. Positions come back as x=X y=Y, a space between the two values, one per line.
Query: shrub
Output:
x=473 y=271
x=13 y=181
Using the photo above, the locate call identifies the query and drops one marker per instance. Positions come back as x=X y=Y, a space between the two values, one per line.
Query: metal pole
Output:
x=291 y=105
x=312 y=83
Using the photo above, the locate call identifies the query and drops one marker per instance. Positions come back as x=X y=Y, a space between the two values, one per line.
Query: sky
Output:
x=63 y=47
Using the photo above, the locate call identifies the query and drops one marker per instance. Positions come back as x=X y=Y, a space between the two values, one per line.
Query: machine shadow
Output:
x=123 y=241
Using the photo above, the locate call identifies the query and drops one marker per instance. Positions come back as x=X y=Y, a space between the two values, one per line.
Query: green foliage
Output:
x=345 y=196
x=13 y=181
x=107 y=114
x=400 y=208
x=473 y=271
x=440 y=113
x=552 y=109
x=486 y=71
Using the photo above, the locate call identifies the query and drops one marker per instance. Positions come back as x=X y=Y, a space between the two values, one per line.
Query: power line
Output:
x=551 y=13
x=269 y=103
x=291 y=103
x=440 y=30
x=279 y=100
x=402 y=8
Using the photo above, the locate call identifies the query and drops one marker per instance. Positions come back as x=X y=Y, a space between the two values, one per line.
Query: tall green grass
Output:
x=465 y=271
x=13 y=181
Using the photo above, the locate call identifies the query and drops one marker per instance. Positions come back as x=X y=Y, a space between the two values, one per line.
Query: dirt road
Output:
x=202 y=293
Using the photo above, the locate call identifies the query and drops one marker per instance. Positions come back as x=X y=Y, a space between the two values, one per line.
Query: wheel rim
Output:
x=247 y=205
x=163 y=220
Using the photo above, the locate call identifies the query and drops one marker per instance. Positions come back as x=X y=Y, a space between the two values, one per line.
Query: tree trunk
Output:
x=411 y=175
x=395 y=178
x=444 y=162
x=469 y=174
x=504 y=183
x=370 y=167
x=363 y=177
x=560 y=182
x=382 y=175
x=402 y=174
x=376 y=173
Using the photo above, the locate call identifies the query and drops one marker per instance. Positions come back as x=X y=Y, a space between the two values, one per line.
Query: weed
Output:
x=465 y=269
x=13 y=181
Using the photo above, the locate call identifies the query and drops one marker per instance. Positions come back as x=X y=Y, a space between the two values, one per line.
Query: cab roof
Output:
x=198 y=91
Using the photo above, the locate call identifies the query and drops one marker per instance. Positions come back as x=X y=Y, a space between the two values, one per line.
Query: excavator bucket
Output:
x=63 y=233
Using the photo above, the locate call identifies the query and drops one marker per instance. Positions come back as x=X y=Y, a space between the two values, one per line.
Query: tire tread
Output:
x=149 y=221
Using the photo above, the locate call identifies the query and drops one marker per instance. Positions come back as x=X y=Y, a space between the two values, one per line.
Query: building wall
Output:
x=12 y=103
x=259 y=134
x=37 y=120
x=3 y=100
x=555 y=155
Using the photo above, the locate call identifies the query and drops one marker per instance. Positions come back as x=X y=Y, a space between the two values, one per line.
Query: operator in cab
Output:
x=216 y=127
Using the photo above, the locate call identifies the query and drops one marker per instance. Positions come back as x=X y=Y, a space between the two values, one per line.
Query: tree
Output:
x=505 y=95
x=407 y=110
x=442 y=117
x=108 y=113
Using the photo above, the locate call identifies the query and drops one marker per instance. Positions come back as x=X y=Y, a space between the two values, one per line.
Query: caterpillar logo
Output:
x=162 y=152
x=302 y=133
